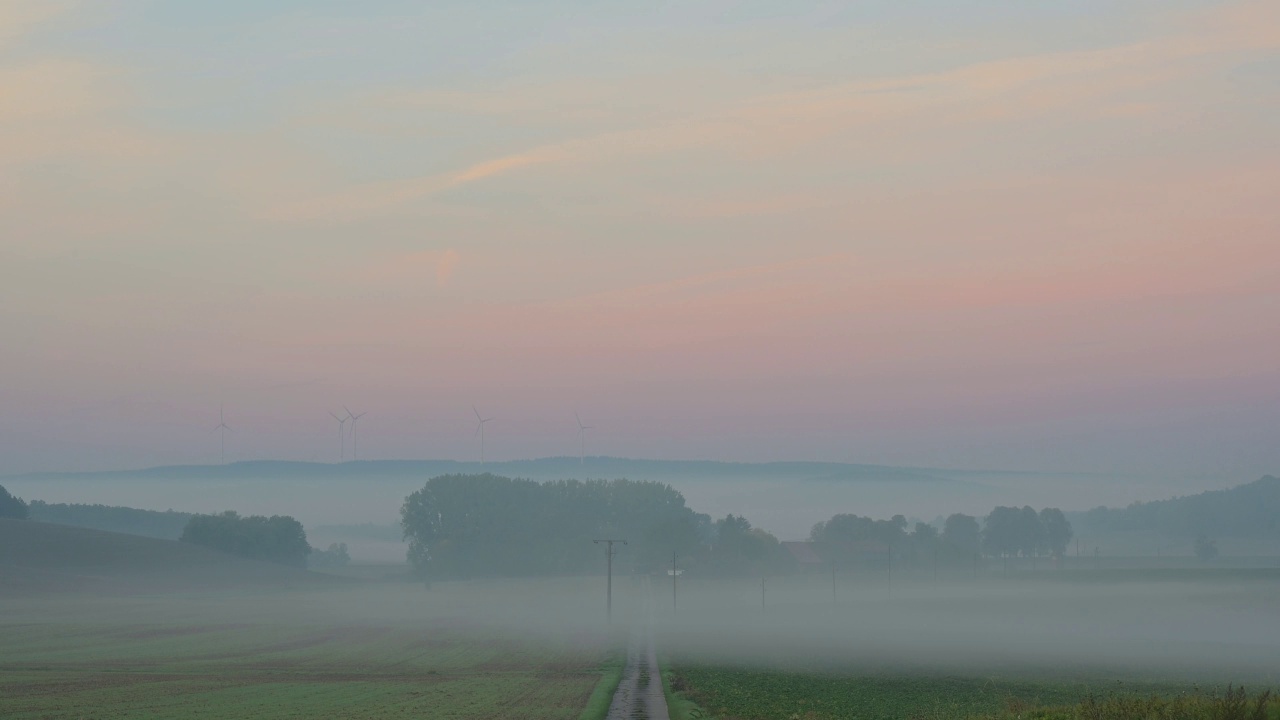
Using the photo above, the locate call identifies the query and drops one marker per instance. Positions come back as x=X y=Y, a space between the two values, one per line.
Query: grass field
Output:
x=102 y=625
x=193 y=670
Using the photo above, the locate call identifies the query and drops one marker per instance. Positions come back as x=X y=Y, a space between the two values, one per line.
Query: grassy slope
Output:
x=38 y=557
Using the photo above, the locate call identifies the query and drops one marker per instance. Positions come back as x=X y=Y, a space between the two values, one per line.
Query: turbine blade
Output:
x=477 y=412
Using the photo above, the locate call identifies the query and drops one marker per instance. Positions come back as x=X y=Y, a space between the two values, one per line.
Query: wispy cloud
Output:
x=375 y=198
x=1097 y=82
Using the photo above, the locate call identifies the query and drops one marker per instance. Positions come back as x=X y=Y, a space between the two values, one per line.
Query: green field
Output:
x=759 y=694
x=101 y=625
x=198 y=670
x=97 y=625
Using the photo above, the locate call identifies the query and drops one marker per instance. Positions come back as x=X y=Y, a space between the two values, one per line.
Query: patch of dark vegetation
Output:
x=166 y=525
x=11 y=506
x=278 y=539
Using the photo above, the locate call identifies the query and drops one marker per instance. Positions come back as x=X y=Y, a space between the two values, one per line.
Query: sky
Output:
x=1035 y=236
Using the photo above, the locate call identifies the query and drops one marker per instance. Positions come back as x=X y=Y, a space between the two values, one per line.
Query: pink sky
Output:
x=1041 y=241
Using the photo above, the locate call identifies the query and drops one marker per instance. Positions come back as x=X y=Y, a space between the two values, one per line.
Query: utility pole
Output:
x=674 y=573
x=833 y=584
x=888 y=571
x=608 y=598
x=762 y=593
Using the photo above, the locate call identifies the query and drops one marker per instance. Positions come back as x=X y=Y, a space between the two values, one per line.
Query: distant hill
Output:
x=538 y=469
x=166 y=525
x=37 y=557
x=1245 y=511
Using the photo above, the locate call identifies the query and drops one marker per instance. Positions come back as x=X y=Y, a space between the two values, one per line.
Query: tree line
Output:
x=853 y=540
x=166 y=524
x=279 y=538
x=462 y=526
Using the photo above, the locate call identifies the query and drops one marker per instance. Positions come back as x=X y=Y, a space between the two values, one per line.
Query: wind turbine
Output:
x=355 y=438
x=342 y=436
x=582 y=439
x=222 y=429
x=480 y=430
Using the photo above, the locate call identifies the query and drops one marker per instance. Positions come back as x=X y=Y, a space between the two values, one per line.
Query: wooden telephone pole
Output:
x=608 y=597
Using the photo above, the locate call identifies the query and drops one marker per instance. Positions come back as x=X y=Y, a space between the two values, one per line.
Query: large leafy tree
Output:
x=10 y=506
x=1057 y=531
x=1001 y=532
x=1031 y=536
x=962 y=533
x=488 y=525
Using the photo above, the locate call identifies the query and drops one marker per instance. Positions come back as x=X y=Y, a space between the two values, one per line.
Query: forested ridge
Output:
x=1250 y=510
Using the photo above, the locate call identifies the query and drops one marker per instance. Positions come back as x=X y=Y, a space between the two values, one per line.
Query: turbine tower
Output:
x=342 y=436
x=480 y=430
x=355 y=437
x=222 y=429
x=582 y=439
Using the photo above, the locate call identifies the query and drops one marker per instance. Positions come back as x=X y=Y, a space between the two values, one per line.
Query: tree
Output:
x=488 y=525
x=962 y=533
x=1057 y=531
x=924 y=542
x=10 y=506
x=1002 y=532
x=1031 y=536
x=860 y=541
x=279 y=538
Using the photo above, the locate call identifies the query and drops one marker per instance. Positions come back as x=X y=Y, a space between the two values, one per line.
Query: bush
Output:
x=335 y=556
x=1205 y=548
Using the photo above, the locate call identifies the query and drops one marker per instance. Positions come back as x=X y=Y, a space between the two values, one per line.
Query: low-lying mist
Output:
x=1220 y=627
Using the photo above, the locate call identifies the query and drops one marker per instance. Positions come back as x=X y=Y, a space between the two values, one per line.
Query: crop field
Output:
x=753 y=694
x=113 y=663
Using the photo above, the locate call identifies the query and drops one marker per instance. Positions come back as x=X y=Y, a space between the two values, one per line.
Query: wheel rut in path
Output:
x=639 y=695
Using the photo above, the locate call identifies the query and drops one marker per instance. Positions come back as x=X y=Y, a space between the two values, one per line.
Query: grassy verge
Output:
x=679 y=706
x=602 y=696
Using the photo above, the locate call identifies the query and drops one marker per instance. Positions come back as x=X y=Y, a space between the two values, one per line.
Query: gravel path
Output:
x=639 y=695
